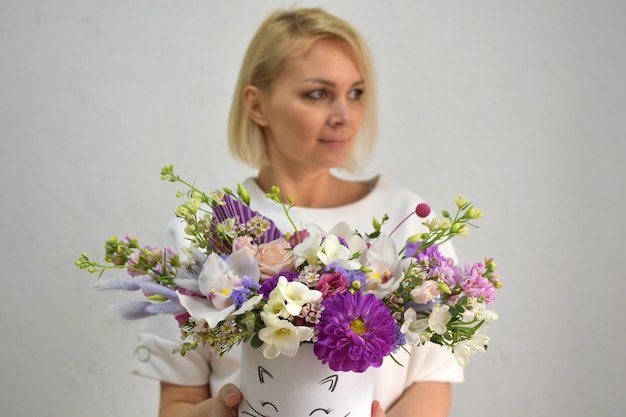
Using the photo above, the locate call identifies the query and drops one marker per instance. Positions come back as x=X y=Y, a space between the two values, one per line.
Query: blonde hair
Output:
x=284 y=34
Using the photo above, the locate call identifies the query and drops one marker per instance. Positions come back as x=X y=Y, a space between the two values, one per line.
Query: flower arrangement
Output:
x=354 y=295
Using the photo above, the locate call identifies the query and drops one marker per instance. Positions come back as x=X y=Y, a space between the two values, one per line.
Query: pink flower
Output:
x=332 y=283
x=425 y=293
x=298 y=237
x=275 y=257
x=241 y=242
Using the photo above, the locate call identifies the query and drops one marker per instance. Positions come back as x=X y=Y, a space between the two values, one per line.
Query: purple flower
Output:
x=355 y=332
x=133 y=262
x=400 y=339
x=476 y=285
x=430 y=256
x=240 y=295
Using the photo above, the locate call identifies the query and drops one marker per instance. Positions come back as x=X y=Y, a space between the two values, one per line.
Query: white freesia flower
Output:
x=414 y=329
x=462 y=352
x=306 y=251
x=282 y=337
x=333 y=251
x=439 y=318
x=465 y=348
x=293 y=295
x=476 y=310
x=480 y=342
x=216 y=282
x=275 y=307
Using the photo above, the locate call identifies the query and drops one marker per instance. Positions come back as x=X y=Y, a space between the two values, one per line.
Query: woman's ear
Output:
x=253 y=100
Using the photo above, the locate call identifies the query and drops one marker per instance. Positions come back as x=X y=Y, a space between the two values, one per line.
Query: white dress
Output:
x=159 y=336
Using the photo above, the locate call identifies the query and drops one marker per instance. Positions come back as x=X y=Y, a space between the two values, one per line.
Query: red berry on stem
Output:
x=422 y=210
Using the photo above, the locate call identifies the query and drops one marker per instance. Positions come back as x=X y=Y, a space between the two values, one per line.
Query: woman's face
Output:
x=313 y=111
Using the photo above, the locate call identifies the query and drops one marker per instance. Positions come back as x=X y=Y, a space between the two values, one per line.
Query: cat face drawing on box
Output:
x=323 y=400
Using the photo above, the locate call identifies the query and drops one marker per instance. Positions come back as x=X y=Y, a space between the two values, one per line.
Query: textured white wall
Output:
x=518 y=105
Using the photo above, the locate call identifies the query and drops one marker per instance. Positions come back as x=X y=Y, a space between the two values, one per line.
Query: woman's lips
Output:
x=334 y=142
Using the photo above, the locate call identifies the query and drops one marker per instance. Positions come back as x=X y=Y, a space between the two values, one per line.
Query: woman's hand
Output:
x=226 y=402
x=195 y=401
x=377 y=410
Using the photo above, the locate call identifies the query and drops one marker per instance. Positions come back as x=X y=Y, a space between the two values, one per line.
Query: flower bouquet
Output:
x=350 y=297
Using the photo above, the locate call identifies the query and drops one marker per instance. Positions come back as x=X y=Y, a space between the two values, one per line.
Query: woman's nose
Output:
x=340 y=113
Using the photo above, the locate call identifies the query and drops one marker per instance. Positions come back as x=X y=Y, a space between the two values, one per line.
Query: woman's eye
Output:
x=355 y=94
x=317 y=94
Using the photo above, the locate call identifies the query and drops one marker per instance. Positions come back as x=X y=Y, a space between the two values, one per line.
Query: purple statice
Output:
x=356 y=331
x=250 y=283
x=241 y=294
x=475 y=284
x=268 y=285
x=356 y=275
x=400 y=339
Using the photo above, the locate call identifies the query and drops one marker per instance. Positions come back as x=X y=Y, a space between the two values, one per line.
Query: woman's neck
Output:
x=319 y=189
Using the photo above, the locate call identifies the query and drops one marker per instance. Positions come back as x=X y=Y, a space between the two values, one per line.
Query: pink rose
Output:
x=241 y=242
x=426 y=292
x=275 y=257
x=331 y=284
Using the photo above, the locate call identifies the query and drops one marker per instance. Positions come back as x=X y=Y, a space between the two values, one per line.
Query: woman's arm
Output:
x=195 y=401
x=423 y=399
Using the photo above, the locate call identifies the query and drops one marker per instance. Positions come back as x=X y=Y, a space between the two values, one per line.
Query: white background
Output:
x=519 y=105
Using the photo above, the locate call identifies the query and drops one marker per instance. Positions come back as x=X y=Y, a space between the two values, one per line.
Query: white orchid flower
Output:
x=216 y=282
x=282 y=337
x=385 y=270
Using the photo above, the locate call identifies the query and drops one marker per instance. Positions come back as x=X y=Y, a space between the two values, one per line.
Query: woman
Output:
x=304 y=104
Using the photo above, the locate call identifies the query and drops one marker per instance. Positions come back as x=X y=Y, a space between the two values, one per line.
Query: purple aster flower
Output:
x=355 y=332
x=268 y=285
